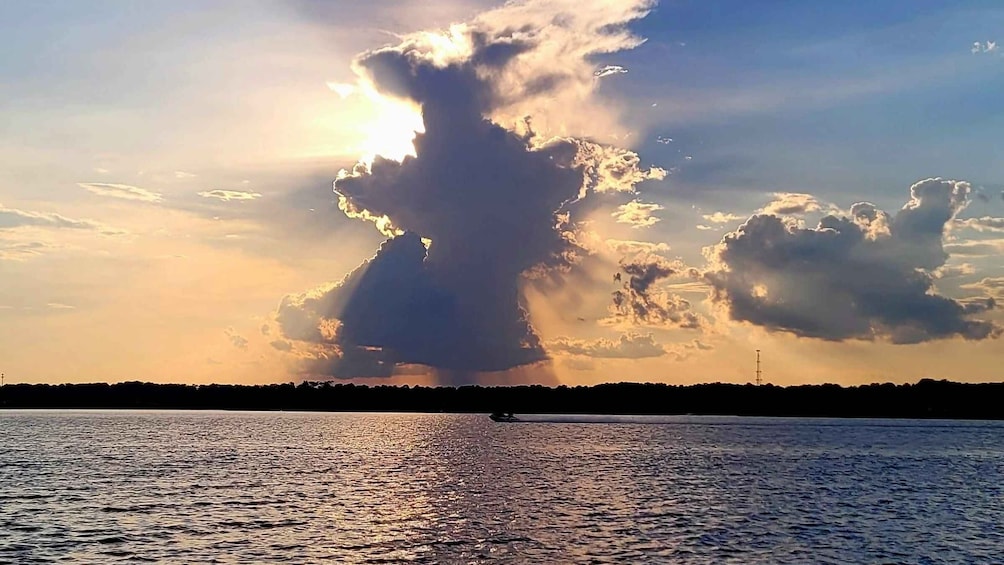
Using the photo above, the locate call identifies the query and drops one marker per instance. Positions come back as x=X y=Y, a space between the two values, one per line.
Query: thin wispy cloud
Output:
x=991 y=286
x=722 y=218
x=228 y=195
x=977 y=248
x=122 y=191
x=984 y=224
x=22 y=250
x=11 y=218
x=627 y=346
x=625 y=247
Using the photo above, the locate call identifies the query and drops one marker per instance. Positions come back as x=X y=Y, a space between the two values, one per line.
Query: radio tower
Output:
x=757 y=367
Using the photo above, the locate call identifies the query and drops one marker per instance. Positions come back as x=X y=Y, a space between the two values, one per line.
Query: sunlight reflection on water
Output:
x=434 y=488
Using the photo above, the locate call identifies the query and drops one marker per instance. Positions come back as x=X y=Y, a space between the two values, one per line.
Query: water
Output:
x=217 y=487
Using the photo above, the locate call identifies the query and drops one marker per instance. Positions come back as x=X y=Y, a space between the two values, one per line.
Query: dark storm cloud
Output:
x=491 y=203
x=866 y=276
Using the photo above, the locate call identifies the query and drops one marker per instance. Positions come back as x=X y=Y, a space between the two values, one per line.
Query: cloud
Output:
x=281 y=345
x=640 y=302
x=237 y=340
x=22 y=250
x=791 y=203
x=687 y=350
x=228 y=195
x=59 y=306
x=624 y=247
x=722 y=218
x=984 y=47
x=991 y=286
x=610 y=70
x=637 y=214
x=341 y=89
x=976 y=248
x=984 y=224
x=627 y=346
x=868 y=276
x=11 y=218
x=184 y=175
x=953 y=271
x=482 y=202
x=123 y=191
x=578 y=363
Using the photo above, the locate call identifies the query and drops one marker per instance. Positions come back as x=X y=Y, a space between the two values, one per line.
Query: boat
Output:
x=503 y=417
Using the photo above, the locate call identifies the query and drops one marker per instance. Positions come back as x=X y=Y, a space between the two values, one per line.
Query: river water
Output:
x=241 y=487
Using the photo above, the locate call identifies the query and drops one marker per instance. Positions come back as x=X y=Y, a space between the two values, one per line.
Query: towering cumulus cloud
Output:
x=866 y=276
x=484 y=200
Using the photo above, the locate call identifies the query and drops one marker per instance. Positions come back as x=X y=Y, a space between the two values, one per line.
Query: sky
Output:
x=549 y=191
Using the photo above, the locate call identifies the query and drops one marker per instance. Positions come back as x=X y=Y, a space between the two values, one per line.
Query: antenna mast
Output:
x=757 y=367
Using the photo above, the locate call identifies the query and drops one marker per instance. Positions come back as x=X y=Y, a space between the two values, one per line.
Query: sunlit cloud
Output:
x=343 y=90
x=228 y=195
x=624 y=247
x=984 y=224
x=865 y=276
x=184 y=175
x=976 y=248
x=123 y=191
x=637 y=214
x=640 y=301
x=475 y=196
x=791 y=203
x=953 y=271
x=992 y=286
x=722 y=218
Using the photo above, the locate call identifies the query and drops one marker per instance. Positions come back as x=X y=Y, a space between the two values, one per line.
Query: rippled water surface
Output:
x=201 y=487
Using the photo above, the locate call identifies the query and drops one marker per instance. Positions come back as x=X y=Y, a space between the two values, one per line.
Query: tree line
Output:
x=924 y=399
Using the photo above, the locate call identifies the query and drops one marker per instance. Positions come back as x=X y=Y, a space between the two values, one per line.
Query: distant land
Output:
x=924 y=399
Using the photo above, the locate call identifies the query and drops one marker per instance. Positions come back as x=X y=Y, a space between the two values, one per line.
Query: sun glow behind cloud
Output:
x=388 y=125
x=391 y=132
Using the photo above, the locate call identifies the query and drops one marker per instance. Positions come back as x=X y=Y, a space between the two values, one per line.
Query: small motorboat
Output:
x=503 y=417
